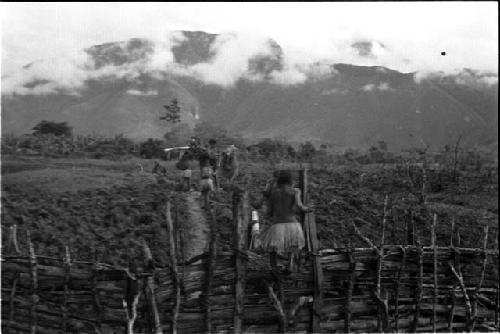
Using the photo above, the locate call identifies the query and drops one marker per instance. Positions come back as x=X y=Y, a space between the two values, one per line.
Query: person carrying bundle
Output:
x=285 y=235
x=229 y=167
x=206 y=184
x=184 y=166
x=213 y=159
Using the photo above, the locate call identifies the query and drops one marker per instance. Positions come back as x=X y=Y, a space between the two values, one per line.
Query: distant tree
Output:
x=173 y=114
x=49 y=127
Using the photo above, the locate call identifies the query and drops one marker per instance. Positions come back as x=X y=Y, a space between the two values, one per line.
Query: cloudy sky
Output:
x=404 y=36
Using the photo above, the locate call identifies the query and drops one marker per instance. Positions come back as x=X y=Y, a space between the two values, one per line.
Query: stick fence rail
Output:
x=384 y=288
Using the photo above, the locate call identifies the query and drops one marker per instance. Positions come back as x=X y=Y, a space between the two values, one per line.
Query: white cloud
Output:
x=150 y=92
x=404 y=36
x=383 y=86
x=232 y=52
x=368 y=87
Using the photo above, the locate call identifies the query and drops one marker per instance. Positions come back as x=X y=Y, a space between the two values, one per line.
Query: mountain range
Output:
x=341 y=104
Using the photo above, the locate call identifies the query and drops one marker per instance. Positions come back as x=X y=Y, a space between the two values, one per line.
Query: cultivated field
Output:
x=108 y=204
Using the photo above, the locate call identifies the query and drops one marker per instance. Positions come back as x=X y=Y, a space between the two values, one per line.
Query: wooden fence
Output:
x=381 y=288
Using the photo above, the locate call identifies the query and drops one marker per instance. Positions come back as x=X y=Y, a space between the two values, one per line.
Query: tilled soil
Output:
x=111 y=206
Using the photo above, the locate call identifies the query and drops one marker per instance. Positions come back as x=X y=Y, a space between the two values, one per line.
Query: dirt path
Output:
x=196 y=228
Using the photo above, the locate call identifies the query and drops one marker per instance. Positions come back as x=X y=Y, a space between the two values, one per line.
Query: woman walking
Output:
x=285 y=235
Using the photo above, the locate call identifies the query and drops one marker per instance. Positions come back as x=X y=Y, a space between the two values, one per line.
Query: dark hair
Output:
x=284 y=178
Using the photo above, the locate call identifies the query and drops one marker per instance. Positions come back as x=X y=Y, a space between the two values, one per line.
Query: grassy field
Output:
x=109 y=205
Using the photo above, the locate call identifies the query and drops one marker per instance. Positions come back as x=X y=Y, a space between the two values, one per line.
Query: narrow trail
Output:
x=197 y=231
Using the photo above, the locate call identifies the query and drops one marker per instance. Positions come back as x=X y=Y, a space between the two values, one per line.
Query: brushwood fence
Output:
x=381 y=288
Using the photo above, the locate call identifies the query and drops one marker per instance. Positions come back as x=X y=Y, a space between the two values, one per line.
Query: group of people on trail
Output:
x=280 y=199
x=216 y=166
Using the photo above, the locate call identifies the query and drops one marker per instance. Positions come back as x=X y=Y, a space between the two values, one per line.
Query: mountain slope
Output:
x=349 y=106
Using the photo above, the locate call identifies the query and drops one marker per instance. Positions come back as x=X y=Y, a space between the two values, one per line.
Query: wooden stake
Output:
x=151 y=296
x=435 y=276
x=497 y=299
x=481 y=279
x=34 y=285
x=383 y=310
x=456 y=261
x=67 y=275
x=384 y=220
x=317 y=273
x=419 y=289
x=452 y=231
x=398 y=282
x=305 y=198
x=12 y=243
x=240 y=214
x=12 y=303
x=423 y=195
x=464 y=291
x=279 y=308
x=131 y=312
x=362 y=237
x=210 y=269
x=394 y=227
x=97 y=304
x=350 y=287
x=173 y=268
x=413 y=229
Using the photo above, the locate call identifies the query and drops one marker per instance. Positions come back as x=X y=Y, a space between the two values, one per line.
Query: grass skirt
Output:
x=283 y=237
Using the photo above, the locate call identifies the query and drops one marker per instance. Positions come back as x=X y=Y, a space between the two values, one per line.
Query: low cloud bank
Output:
x=232 y=55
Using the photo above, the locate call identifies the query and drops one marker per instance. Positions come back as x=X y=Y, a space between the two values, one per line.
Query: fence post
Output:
x=481 y=279
x=240 y=216
x=34 y=284
x=304 y=197
x=456 y=261
x=398 y=282
x=12 y=243
x=173 y=268
x=435 y=275
x=67 y=275
x=350 y=286
x=97 y=304
x=210 y=269
x=497 y=299
x=419 y=288
x=317 y=273
x=149 y=266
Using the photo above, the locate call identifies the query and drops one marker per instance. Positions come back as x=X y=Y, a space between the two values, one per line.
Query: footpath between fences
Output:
x=380 y=288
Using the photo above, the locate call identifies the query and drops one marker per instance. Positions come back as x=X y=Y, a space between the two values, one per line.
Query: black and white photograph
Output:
x=249 y=167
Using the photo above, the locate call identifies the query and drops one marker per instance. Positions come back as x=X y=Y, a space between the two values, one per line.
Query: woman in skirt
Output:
x=285 y=235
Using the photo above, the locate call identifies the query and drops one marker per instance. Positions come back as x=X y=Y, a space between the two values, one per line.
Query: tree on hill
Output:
x=55 y=128
x=173 y=114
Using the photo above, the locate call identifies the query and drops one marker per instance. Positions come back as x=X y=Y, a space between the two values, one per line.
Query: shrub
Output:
x=47 y=127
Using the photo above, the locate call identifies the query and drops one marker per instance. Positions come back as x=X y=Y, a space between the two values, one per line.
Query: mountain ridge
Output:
x=348 y=105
